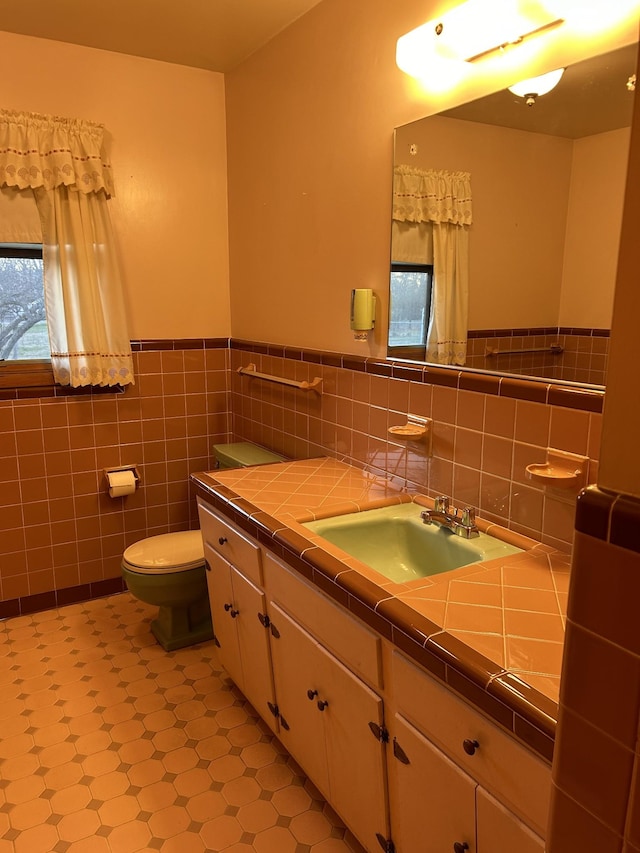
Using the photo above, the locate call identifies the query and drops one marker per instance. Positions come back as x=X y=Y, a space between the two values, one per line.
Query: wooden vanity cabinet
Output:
x=432 y=801
x=324 y=682
x=330 y=720
x=436 y=807
x=238 y=612
x=486 y=788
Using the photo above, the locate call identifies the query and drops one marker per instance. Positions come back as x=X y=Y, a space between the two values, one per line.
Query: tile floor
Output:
x=109 y=744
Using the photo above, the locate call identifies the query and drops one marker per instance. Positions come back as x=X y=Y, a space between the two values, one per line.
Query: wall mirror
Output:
x=547 y=186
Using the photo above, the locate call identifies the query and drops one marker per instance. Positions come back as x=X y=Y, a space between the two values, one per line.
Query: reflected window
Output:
x=410 y=308
x=23 y=327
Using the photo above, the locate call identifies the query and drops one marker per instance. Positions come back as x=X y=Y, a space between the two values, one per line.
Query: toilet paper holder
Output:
x=118 y=469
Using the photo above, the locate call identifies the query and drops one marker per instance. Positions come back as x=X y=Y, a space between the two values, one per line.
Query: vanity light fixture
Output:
x=534 y=87
x=474 y=30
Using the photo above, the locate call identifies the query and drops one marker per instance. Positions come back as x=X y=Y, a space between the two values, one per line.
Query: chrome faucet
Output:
x=462 y=525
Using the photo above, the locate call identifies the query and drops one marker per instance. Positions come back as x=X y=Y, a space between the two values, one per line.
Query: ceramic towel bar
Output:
x=250 y=370
x=554 y=349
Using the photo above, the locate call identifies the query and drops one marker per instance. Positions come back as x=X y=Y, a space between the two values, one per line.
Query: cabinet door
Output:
x=298 y=674
x=253 y=643
x=499 y=829
x=509 y=770
x=432 y=799
x=222 y=613
x=356 y=757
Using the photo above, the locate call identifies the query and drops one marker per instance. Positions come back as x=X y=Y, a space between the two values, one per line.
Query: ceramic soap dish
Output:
x=561 y=470
x=416 y=429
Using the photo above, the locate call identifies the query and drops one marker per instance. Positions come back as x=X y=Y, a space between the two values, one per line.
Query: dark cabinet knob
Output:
x=311 y=694
x=470 y=746
x=228 y=607
x=322 y=704
x=460 y=847
x=222 y=540
x=234 y=613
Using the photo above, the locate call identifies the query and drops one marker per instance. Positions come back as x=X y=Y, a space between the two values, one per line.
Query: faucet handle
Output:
x=441 y=504
x=468 y=516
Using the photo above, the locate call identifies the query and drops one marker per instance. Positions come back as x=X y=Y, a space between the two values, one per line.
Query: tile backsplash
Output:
x=481 y=443
x=62 y=538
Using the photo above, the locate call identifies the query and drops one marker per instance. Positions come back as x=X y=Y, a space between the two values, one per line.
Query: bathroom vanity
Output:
x=420 y=744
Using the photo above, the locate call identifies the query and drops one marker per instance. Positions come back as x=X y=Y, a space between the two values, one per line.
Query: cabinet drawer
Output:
x=232 y=544
x=329 y=623
x=516 y=776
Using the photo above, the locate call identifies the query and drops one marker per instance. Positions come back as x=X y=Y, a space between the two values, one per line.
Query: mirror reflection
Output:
x=506 y=224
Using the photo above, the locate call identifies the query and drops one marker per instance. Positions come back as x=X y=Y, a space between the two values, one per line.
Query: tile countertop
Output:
x=493 y=631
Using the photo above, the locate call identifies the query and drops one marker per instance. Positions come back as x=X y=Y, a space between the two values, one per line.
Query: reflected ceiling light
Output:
x=474 y=30
x=535 y=86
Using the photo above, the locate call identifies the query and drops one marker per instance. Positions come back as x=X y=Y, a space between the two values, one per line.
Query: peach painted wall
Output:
x=168 y=149
x=592 y=243
x=310 y=119
x=520 y=185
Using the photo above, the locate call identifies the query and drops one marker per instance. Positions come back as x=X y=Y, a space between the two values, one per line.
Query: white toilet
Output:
x=169 y=570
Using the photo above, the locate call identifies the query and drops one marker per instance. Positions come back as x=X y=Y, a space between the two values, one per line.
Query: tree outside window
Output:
x=23 y=327
x=410 y=304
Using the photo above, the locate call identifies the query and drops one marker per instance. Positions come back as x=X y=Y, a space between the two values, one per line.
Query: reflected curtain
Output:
x=442 y=201
x=62 y=162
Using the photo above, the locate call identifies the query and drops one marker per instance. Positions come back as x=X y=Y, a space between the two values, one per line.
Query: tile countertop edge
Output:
x=521 y=709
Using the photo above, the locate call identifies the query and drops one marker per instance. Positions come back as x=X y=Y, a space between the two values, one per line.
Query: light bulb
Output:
x=536 y=86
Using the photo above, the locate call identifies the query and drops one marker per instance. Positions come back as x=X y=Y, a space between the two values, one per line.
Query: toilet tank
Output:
x=243 y=453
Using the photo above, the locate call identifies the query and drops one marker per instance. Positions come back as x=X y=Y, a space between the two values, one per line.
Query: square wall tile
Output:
x=604 y=594
x=584 y=754
x=610 y=701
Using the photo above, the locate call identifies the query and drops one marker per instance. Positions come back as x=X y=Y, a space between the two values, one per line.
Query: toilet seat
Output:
x=164 y=554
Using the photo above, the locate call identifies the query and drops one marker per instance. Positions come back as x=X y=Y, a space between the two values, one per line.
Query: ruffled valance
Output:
x=431 y=196
x=49 y=151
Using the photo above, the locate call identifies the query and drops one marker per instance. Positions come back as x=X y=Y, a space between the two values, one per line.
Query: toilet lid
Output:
x=169 y=552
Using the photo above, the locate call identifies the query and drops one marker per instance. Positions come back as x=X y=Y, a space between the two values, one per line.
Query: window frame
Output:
x=415 y=352
x=28 y=373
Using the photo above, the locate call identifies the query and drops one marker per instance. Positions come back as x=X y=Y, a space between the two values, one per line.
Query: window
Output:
x=409 y=309
x=23 y=327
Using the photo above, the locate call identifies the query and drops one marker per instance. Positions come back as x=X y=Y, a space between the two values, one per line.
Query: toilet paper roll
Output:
x=121 y=483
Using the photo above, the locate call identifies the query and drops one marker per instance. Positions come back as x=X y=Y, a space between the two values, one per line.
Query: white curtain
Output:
x=62 y=162
x=19 y=220
x=442 y=200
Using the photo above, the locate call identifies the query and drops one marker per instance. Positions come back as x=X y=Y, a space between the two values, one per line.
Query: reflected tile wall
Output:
x=61 y=536
x=481 y=443
x=584 y=355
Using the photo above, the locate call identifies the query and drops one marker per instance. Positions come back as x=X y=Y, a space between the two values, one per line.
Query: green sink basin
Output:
x=395 y=541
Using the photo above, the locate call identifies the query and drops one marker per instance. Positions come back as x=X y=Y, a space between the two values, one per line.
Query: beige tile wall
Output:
x=58 y=528
x=481 y=442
